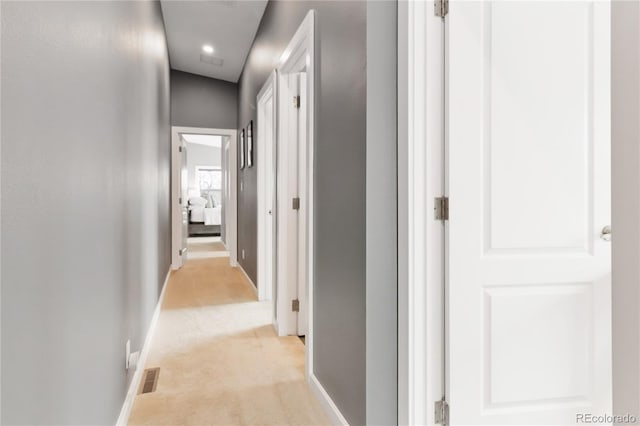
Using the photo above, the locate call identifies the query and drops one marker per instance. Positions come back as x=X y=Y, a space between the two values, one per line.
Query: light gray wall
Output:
x=85 y=224
x=340 y=177
x=198 y=101
x=201 y=155
x=626 y=205
x=382 y=218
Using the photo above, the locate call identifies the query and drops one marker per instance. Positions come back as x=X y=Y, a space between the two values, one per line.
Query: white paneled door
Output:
x=184 y=198
x=528 y=179
x=292 y=220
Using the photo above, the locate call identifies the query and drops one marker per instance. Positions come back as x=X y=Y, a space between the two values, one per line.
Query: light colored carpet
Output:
x=220 y=360
x=205 y=247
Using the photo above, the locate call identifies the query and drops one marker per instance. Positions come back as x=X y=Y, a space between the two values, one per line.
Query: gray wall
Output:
x=340 y=156
x=85 y=202
x=382 y=218
x=198 y=101
x=625 y=153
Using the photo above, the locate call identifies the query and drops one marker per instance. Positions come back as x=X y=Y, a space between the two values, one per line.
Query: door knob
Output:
x=605 y=234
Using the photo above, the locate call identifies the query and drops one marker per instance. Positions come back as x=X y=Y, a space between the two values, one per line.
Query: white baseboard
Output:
x=253 y=286
x=335 y=416
x=123 y=419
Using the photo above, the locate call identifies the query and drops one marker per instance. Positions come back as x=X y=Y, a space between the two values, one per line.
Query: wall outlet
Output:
x=242 y=254
x=130 y=358
x=127 y=354
x=133 y=360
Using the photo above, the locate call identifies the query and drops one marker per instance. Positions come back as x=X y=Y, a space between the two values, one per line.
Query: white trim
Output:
x=266 y=178
x=299 y=56
x=231 y=200
x=331 y=410
x=253 y=285
x=125 y=412
x=176 y=211
x=288 y=256
x=421 y=98
x=231 y=209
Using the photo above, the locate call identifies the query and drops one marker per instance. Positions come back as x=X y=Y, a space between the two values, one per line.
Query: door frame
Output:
x=266 y=175
x=299 y=56
x=421 y=157
x=230 y=210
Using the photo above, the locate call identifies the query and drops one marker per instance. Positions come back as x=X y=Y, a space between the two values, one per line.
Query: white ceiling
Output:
x=228 y=25
x=209 y=140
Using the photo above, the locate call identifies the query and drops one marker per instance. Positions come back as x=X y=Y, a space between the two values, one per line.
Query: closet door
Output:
x=529 y=269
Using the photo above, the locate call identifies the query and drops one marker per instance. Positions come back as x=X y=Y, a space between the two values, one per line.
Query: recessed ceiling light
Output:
x=207 y=49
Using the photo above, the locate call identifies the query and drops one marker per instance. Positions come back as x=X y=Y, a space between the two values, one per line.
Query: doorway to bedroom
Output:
x=203 y=194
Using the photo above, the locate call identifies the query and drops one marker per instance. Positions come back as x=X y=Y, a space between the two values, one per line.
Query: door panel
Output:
x=292 y=223
x=270 y=213
x=184 y=193
x=302 y=213
x=528 y=179
x=225 y=191
x=287 y=216
x=266 y=110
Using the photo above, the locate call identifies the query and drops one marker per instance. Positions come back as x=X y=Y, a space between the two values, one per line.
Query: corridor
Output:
x=219 y=358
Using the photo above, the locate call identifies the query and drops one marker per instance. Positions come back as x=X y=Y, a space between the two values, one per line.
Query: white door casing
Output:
x=298 y=57
x=230 y=173
x=267 y=213
x=528 y=176
x=420 y=238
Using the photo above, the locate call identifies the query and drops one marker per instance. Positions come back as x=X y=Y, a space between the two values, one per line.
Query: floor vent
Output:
x=150 y=380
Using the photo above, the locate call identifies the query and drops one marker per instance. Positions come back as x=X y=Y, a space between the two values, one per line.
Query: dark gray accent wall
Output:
x=382 y=214
x=85 y=229
x=198 y=101
x=340 y=177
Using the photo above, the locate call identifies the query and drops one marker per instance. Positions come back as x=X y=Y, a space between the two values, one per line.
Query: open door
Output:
x=528 y=249
x=184 y=200
x=267 y=212
x=292 y=205
x=300 y=82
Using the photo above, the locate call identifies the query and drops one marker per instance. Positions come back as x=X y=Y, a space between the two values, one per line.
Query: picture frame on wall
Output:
x=250 y=144
x=241 y=149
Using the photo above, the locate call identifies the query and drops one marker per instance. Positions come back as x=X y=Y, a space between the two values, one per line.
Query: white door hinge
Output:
x=295 y=203
x=441 y=412
x=296 y=101
x=440 y=8
x=441 y=208
x=295 y=305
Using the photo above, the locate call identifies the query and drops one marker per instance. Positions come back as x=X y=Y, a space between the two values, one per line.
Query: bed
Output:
x=204 y=220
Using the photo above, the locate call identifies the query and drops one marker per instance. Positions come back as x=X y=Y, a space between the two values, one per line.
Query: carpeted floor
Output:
x=220 y=360
x=205 y=247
